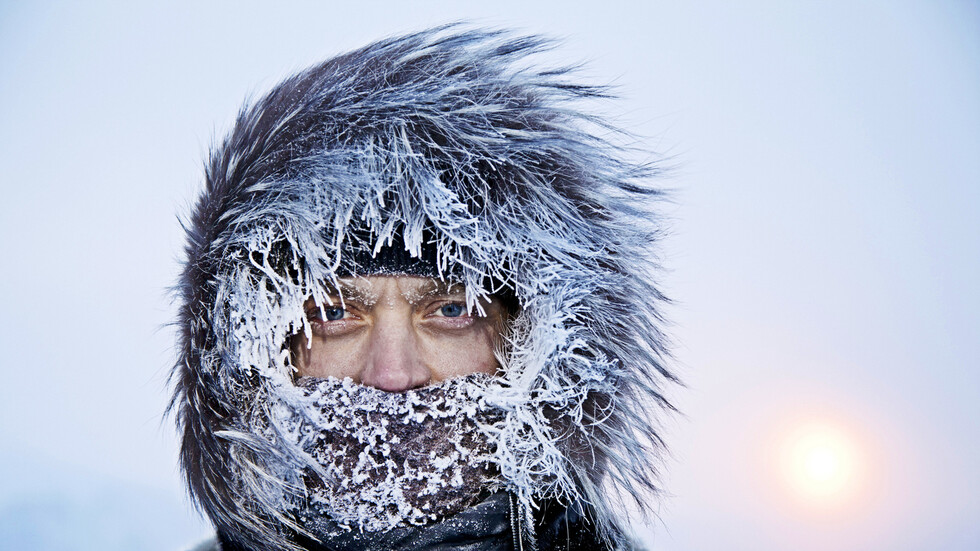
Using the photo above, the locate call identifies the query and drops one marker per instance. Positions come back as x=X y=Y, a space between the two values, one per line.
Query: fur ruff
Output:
x=450 y=136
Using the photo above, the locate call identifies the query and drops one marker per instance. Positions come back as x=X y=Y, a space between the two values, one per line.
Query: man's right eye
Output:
x=332 y=313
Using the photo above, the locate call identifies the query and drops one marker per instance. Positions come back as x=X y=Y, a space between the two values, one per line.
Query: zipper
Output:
x=515 y=528
x=521 y=526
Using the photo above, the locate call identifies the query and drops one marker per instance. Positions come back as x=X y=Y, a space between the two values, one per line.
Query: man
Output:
x=417 y=310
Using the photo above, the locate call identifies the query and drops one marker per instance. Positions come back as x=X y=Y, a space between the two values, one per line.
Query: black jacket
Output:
x=492 y=525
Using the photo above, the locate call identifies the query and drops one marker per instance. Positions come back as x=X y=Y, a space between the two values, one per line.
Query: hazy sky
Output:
x=824 y=253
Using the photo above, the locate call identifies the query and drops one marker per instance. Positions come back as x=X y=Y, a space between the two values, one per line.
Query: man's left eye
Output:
x=452 y=310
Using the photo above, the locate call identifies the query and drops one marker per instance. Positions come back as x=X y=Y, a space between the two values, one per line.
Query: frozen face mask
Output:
x=393 y=459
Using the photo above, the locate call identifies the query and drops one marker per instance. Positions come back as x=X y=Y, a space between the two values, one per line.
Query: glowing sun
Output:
x=820 y=463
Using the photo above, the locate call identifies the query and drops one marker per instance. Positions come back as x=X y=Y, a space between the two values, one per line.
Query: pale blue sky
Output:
x=824 y=256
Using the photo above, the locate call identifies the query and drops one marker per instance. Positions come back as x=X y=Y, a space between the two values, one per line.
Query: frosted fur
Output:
x=450 y=136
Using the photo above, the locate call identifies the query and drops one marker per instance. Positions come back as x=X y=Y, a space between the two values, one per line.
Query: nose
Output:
x=394 y=363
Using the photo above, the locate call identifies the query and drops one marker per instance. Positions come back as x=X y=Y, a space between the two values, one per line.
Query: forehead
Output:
x=411 y=288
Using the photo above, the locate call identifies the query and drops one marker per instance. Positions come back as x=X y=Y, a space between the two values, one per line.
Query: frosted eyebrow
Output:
x=349 y=291
x=434 y=288
x=443 y=288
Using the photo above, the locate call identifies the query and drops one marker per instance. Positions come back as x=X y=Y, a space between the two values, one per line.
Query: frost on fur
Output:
x=449 y=138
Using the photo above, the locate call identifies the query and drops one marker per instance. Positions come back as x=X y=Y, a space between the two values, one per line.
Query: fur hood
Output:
x=453 y=140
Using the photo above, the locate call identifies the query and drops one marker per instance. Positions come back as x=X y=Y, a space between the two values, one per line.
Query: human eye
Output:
x=449 y=314
x=331 y=319
x=328 y=313
x=451 y=310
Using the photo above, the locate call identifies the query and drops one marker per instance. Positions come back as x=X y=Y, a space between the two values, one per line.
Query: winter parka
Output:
x=453 y=141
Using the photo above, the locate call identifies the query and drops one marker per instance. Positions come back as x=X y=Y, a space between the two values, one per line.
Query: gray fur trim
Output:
x=451 y=136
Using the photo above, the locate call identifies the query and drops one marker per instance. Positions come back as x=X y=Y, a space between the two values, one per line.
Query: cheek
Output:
x=340 y=357
x=454 y=356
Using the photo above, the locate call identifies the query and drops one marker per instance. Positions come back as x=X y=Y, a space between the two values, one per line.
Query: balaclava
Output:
x=392 y=459
x=453 y=149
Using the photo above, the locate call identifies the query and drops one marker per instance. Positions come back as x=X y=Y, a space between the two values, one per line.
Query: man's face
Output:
x=398 y=333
